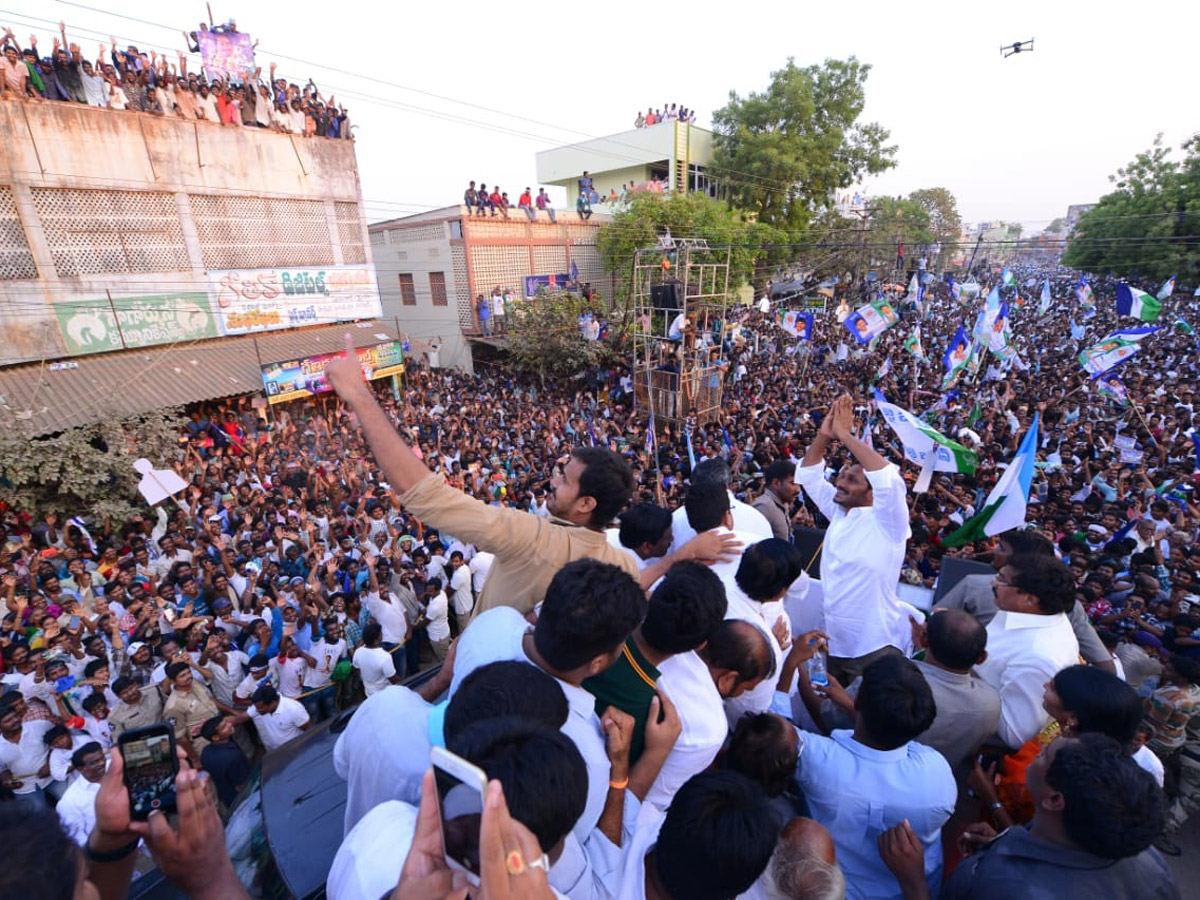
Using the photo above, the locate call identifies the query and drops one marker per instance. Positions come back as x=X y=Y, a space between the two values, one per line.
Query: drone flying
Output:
x=1018 y=47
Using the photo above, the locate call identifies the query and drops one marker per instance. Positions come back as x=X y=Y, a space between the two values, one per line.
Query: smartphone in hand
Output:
x=460 y=791
x=150 y=769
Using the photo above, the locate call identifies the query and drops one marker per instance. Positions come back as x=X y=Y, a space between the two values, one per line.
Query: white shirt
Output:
x=860 y=562
x=326 y=656
x=390 y=616
x=24 y=758
x=384 y=751
x=497 y=635
x=376 y=667
x=98 y=730
x=437 y=611
x=291 y=673
x=77 y=809
x=368 y=862
x=613 y=536
x=685 y=679
x=226 y=678
x=745 y=518
x=277 y=728
x=858 y=793
x=1025 y=651
x=764 y=616
x=479 y=565
x=460 y=585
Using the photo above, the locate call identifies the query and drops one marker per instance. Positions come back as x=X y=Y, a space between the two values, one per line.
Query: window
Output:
x=408 y=291
x=437 y=288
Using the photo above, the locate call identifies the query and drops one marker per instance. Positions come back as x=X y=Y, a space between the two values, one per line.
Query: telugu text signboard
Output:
x=296 y=378
x=249 y=301
x=100 y=325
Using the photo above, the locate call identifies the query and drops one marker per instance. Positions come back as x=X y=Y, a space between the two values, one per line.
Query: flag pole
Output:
x=1136 y=409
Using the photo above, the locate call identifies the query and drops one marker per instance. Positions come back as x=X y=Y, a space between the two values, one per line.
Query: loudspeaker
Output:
x=665 y=297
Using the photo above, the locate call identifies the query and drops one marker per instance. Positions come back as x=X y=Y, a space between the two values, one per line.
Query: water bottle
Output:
x=818 y=676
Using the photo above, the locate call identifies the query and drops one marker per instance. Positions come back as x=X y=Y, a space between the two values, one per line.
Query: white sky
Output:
x=1014 y=139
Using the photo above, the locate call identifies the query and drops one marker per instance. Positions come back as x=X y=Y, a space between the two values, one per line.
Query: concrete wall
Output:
x=475 y=255
x=172 y=229
x=422 y=248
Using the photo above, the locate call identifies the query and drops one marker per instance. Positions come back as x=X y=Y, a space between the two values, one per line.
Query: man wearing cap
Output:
x=138 y=707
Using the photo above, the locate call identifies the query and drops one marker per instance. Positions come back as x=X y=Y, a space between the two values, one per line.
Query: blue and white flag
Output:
x=691 y=452
x=1114 y=349
x=1009 y=279
x=1044 y=305
x=956 y=357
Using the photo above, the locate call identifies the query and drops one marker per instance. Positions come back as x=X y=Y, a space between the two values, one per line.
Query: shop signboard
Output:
x=251 y=301
x=296 y=378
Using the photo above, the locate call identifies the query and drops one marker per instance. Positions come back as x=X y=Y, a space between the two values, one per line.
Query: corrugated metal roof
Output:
x=36 y=400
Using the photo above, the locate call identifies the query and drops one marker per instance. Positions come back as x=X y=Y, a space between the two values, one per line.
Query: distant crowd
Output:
x=670 y=113
x=133 y=80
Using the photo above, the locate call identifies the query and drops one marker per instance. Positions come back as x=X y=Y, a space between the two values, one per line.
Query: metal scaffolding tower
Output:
x=680 y=297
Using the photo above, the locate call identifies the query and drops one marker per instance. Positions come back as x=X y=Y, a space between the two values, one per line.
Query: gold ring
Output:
x=515 y=863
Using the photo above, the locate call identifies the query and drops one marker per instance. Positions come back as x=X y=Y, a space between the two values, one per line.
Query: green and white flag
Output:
x=924 y=446
x=913 y=343
x=1006 y=504
x=1137 y=304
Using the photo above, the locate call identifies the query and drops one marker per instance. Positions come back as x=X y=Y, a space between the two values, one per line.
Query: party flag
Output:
x=1006 y=504
x=1137 y=304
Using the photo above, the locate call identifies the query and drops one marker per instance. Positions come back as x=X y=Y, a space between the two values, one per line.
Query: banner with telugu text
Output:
x=250 y=301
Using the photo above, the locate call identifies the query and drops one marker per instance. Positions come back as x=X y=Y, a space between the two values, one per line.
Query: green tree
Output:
x=781 y=154
x=544 y=338
x=646 y=216
x=87 y=470
x=941 y=207
x=1058 y=226
x=1146 y=227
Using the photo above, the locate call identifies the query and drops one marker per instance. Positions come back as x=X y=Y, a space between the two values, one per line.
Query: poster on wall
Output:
x=100 y=325
x=551 y=283
x=227 y=55
x=296 y=378
x=250 y=301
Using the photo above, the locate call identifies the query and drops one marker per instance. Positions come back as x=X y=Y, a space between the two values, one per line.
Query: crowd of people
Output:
x=672 y=113
x=132 y=80
x=482 y=202
x=630 y=644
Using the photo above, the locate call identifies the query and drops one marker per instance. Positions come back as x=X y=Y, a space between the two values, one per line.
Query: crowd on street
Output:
x=130 y=79
x=670 y=699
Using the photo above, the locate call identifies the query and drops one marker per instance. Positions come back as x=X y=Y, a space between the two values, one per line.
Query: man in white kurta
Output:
x=864 y=545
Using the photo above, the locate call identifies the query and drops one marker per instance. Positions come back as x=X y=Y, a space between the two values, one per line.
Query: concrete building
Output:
x=433 y=265
x=668 y=152
x=121 y=231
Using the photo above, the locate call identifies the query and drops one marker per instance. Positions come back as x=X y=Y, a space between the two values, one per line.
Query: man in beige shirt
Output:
x=584 y=497
x=139 y=706
x=190 y=705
